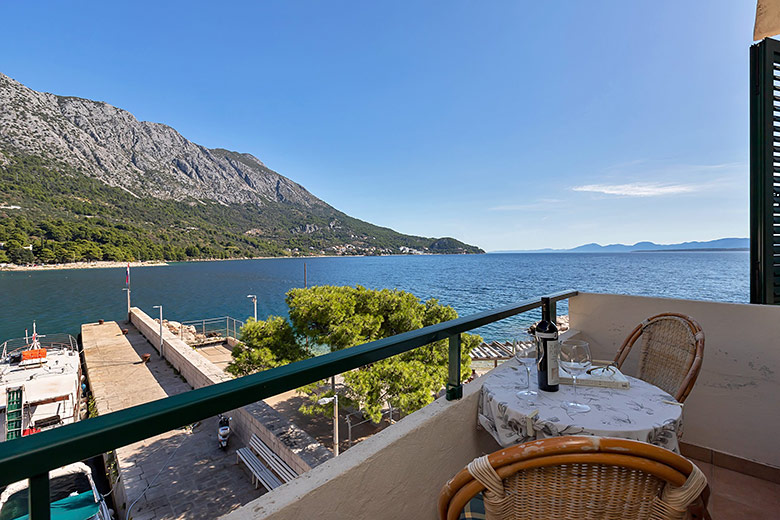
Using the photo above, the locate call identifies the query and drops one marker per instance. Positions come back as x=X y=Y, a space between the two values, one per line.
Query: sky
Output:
x=508 y=125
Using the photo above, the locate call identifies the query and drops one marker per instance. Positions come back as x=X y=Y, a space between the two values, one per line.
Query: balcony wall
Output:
x=733 y=407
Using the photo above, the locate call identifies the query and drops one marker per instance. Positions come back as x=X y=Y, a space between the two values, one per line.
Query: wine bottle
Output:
x=547 y=350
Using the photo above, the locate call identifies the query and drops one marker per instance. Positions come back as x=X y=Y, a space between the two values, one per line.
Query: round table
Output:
x=642 y=412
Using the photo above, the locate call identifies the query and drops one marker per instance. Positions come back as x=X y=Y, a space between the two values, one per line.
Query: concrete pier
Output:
x=182 y=473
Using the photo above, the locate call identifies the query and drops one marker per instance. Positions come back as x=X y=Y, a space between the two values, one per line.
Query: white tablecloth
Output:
x=638 y=413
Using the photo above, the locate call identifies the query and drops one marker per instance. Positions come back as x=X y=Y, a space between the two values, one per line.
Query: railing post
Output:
x=554 y=312
x=454 y=387
x=38 y=497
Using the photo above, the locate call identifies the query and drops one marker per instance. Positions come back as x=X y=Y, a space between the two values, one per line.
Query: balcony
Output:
x=730 y=418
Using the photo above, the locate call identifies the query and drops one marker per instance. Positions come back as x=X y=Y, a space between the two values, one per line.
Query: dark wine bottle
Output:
x=547 y=350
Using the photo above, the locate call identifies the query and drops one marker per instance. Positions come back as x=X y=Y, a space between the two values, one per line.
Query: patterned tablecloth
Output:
x=638 y=413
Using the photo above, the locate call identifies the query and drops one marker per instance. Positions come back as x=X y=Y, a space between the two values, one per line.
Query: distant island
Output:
x=721 y=244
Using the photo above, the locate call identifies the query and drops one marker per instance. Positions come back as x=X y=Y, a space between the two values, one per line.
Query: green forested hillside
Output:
x=67 y=216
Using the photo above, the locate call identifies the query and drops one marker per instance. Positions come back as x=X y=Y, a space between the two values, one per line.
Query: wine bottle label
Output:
x=547 y=335
x=553 y=354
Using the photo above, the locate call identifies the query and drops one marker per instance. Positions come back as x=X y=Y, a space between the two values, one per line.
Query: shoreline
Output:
x=105 y=264
x=98 y=264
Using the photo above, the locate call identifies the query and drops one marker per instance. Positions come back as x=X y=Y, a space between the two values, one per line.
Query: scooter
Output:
x=223 y=431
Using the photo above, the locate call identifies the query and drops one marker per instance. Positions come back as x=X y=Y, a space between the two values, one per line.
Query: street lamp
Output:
x=254 y=300
x=335 y=401
x=161 y=328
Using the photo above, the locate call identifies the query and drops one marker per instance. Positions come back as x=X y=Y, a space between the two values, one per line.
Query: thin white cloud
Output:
x=637 y=189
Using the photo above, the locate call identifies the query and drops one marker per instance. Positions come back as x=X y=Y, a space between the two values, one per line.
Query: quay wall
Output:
x=296 y=447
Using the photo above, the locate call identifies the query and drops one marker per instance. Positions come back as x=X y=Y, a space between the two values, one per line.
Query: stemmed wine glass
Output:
x=575 y=360
x=525 y=352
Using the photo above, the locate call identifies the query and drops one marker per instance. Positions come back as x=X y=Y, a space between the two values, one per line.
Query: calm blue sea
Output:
x=60 y=301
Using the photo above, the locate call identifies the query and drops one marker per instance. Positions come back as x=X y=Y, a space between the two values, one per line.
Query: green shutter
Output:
x=765 y=172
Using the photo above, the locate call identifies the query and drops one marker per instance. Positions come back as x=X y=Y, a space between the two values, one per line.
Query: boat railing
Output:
x=32 y=457
x=58 y=341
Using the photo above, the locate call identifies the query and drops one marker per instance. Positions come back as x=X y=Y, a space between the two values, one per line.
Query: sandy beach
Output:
x=100 y=264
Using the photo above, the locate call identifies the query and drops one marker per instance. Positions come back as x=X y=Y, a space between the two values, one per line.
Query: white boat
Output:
x=40 y=384
x=40 y=389
x=72 y=492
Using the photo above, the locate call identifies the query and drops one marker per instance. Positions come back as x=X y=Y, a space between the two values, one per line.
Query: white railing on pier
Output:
x=209 y=330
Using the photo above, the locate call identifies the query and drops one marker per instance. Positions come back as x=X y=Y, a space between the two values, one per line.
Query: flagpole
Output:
x=127 y=282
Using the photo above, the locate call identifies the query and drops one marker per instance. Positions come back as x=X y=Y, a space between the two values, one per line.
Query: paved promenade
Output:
x=187 y=475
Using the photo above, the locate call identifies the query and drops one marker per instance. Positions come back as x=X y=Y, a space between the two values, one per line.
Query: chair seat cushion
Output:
x=475 y=509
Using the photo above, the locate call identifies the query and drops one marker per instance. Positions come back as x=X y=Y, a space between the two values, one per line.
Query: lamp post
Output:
x=254 y=300
x=335 y=400
x=161 y=329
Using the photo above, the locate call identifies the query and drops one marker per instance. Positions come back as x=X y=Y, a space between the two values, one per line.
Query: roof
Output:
x=492 y=351
x=57 y=377
x=77 y=507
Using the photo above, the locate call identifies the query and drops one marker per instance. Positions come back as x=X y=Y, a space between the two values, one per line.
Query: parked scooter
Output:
x=223 y=431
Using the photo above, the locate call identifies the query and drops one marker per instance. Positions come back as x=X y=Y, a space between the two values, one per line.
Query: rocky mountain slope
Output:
x=147 y=159
x=80 y=145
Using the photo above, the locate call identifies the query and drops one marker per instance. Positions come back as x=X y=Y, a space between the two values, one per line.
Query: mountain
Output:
x=74 y=170
x=721 y=244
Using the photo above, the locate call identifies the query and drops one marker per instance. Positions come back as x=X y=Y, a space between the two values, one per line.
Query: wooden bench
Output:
x=260 y=473
x=272 y=460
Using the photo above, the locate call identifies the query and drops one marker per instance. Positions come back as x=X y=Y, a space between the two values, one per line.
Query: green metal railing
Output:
x=34 y=456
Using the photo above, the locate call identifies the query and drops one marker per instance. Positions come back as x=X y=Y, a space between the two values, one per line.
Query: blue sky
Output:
x=510 y=125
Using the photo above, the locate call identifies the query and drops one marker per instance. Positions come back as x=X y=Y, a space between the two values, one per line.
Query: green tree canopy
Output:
x=266 y=344
x=343 y=317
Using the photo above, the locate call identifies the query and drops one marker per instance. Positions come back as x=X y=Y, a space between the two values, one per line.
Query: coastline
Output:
x=104 y=264
x=98 y=264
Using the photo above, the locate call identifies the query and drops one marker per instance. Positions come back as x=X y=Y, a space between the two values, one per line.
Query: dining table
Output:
x=640 y=412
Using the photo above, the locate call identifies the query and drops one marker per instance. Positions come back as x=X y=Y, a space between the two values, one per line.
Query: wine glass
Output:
x=525 y=352
x=575 y=360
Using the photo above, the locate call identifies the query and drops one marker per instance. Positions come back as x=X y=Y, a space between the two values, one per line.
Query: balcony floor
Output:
x=736 y=495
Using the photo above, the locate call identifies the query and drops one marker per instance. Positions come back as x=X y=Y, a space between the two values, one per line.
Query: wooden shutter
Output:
x=765 y=172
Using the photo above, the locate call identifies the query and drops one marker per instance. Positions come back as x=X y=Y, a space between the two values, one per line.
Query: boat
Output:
x=72 y=495
x=40 y=389
x=40 y=384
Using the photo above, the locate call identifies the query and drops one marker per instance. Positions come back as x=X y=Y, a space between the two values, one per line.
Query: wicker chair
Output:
x=580 y=478
x=672 y=352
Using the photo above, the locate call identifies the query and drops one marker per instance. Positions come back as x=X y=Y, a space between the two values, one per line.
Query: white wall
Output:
x=734 y=406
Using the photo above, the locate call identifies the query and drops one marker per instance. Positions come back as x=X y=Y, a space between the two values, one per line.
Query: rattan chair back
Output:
x=579 y=478
x=671 y=354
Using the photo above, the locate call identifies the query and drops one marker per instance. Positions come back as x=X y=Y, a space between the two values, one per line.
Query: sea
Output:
x=62 y=300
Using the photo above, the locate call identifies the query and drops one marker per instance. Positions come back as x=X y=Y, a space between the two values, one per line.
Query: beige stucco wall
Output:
x=396 y=473
x=734 y=406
